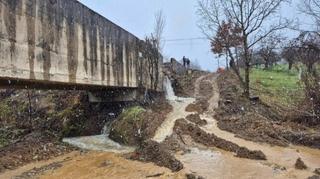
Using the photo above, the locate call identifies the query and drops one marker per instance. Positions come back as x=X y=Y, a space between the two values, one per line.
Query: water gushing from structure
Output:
x=168 y=89
x=99 y=142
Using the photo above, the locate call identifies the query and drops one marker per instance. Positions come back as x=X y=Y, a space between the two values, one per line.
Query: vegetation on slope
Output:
x=277 y=86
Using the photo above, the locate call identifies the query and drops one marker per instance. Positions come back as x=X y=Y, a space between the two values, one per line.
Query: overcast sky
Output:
x=137 y=16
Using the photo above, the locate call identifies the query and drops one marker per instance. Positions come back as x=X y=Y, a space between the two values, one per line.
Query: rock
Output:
x=254 y=98
x=317 y=171
x=314 y=177
x=300 y=164
x=155 y=175
x=227 y=102
x=193 y=176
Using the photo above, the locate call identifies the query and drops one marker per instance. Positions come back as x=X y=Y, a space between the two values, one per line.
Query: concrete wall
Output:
x=63 y=41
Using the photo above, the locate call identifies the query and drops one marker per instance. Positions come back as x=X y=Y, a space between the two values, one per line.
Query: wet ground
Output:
x=208 y=162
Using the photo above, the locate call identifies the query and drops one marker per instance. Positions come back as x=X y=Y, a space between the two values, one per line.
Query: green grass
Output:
x=132 y=113
x=277 y=85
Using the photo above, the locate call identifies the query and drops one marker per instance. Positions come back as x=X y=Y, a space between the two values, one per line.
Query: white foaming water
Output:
x=168 y=89
x=98 y=143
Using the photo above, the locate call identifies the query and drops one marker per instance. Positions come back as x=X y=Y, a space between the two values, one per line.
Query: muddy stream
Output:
x=104 y=160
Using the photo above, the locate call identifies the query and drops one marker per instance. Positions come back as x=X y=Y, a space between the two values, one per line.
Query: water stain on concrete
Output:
x=31 y=27
x=10 y=23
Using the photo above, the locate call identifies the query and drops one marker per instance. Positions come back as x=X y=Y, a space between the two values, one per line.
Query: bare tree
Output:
x=153 y=58
x=160 y=24
x=312 y=8
x=251 y=16
x=290 y=53
x=268 y=49
x=307 y=47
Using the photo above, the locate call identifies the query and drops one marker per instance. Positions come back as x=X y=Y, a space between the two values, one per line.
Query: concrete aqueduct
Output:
x=64 y=44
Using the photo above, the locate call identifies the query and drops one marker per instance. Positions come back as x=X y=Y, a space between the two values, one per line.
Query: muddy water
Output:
x=276 y=156
x=107 y=166
x=178 y=112
x=179 y=105
x=213 y=163
x=207 y=162
x=98 y=143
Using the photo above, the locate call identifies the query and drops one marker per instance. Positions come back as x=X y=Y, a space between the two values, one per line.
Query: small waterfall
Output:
x=169 y=90
x=99 y=142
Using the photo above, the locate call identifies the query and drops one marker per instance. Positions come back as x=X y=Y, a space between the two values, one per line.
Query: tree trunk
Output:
x=290 y=66
x=266 y=65
x=247 y=80
x=227 y=63
x=235 y=68
x=247 y=68
x=310 y=67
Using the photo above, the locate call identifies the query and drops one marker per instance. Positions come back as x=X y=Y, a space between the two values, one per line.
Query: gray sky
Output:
x=137 y=16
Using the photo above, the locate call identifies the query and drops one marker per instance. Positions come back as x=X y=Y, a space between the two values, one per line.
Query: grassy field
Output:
x=277 y=85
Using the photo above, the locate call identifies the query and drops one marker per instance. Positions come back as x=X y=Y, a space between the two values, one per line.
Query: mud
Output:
x=32 y=123
x=200 y=106
x=183 y=84
x=132 y=130
x=105 y=165
x=151 y=151
x=300 y=165
x=193 y=176
x=33 y=147
x=39 y=171
x=182 y=127
x=195 y=118
x=257 y=121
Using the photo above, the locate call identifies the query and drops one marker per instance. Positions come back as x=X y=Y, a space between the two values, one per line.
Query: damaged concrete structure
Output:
x=62 y=44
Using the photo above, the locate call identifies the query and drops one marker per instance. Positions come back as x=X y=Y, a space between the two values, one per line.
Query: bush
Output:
x=312 y=92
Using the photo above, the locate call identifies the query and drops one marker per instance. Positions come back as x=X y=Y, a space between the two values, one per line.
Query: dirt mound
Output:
x=127 y=129
x=35 y=146
x=136 y=124
x=300 y=165
x=182 y=127
x=195 y=118
x=183 y=84
x=200 y=106
x=175 y=143
x=151 y=151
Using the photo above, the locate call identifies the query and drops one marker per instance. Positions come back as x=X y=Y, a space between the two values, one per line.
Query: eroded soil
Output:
x=197 y=139
x=258 y=121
